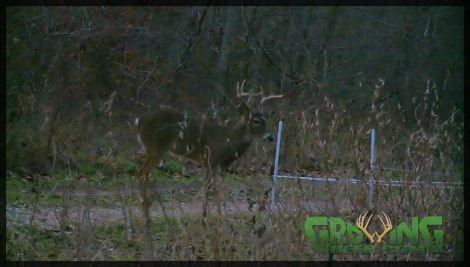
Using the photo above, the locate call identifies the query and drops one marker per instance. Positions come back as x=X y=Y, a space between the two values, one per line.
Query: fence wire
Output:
x=372 y=181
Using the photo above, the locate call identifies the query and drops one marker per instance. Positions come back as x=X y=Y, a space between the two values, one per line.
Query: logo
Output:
x=334 y=235
x=387 y=226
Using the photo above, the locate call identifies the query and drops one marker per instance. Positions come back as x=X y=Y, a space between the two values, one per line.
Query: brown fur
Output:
x=205 y=142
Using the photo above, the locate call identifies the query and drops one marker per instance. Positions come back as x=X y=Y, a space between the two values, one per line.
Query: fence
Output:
x=372 y=181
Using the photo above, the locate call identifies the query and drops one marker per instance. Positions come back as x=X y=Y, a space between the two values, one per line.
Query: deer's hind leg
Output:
x=144 y=182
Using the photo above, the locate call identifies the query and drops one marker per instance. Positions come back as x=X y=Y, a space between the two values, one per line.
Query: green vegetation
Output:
x=243 y=232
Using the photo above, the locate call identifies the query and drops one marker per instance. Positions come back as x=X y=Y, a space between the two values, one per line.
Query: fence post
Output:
x=372 y=166
x=276 y=164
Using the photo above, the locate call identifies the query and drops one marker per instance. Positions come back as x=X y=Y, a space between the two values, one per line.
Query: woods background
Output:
x=76 y=76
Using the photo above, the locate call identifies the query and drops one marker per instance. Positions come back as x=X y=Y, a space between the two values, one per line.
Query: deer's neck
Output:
x=241 y=132
x=240 y=140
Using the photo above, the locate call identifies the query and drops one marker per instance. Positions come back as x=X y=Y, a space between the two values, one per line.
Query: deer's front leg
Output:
x=209 y=182
x=146 y=198
x=218 y=188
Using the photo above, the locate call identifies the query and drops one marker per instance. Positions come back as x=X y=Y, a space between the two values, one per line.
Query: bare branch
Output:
x=377 y=20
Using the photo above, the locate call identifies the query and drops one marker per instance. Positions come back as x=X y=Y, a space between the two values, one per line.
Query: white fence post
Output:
x=372 y=166
x=276 y=164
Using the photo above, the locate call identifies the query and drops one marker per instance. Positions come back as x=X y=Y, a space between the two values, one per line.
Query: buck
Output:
x=206 y=142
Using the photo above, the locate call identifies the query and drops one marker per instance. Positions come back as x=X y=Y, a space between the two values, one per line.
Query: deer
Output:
x=208 y=143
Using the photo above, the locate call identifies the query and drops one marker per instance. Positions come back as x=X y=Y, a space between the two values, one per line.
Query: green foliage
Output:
x=17 y=190
x=129 y=167
x=173 y=167
x=36 y=243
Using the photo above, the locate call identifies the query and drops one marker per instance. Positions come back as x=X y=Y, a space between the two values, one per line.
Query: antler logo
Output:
x=386 y=222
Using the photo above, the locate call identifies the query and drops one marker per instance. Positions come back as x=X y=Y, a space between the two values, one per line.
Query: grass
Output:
x=255 y=233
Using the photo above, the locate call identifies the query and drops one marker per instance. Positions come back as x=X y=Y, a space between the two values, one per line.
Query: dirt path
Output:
x=51 y=217
x=181 y=200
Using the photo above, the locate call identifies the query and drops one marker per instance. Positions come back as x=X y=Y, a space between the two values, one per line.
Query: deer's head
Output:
x=255 y=119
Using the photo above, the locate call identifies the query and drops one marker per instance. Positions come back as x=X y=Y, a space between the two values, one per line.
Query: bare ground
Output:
x=52 y=217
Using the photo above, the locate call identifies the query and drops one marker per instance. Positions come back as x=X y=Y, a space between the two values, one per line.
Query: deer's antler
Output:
x=387 y=227
x=264 y=98
x=360 y=224
x=250 y=94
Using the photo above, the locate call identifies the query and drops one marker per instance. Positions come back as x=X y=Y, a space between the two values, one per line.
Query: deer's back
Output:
x=203 y=141
x=156 y=130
